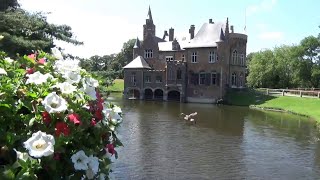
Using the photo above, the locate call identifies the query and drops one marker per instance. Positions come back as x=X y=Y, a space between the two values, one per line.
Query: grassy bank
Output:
x=297 y=105
x=117 y=86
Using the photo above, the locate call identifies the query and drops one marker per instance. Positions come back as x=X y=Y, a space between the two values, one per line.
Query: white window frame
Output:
x=212 y=57
x=234 y=57
x=148 y=53
x=169 y=58
x=204 y=81
x=194 y=57
x=148 y=80
x=182 y=57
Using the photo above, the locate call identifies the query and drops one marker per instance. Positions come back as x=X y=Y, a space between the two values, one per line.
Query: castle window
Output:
x=234 y=57
x=212 y=57
x=241 y=80
x=148 y=79
x=179 y=74
x=170 y=74
x=182 y=57
x=194 y=57
x=242 y=59
x=158 y=79
x=234 y=79
x=213 y=78
x=148 y=53
x=169 y=58
x=133 y=79
x=202 y=78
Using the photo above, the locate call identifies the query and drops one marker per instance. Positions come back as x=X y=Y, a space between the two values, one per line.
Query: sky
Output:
x=104 y=25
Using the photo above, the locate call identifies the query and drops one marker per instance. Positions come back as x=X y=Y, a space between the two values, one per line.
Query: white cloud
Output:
x=264 y=5
x=276 y=35
x=101 y=34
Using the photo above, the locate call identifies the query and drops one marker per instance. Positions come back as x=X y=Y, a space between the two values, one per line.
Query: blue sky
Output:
x=104 y=25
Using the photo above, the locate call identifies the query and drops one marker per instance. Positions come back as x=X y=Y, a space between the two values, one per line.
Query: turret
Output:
x=136 y=48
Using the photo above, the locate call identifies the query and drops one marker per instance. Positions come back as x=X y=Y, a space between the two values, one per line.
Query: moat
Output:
x=226 y=143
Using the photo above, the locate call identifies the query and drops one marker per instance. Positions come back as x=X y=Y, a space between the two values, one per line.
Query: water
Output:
x=226 y=143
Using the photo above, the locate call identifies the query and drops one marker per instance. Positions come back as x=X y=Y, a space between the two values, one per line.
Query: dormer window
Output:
x=148 y=53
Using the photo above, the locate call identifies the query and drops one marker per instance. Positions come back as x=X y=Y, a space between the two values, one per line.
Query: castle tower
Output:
x=149 y=27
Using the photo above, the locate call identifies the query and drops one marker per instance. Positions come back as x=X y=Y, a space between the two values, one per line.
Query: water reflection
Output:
x=226 y=143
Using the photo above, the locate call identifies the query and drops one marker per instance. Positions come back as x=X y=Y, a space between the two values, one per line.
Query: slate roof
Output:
x=208 y=35
x=137 y=63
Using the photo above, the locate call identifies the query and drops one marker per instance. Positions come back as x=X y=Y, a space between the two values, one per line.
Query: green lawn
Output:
x=304 y=106
x=117 y=86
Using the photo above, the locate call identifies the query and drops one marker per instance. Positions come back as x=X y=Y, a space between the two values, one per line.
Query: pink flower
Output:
x=110 y=148
x=93 y=122
x=75 y=118
x=46 y=117
x=32 y=56
x=41 y=61
x=30 y=70
x=62 y=128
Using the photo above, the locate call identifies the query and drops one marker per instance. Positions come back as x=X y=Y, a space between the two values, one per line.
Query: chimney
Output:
x=231 y=28
x=191 y=31
x=165 y=35
x=171 y=34
x=210 y=21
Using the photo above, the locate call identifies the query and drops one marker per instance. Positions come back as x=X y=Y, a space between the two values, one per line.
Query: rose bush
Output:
x=54 y=122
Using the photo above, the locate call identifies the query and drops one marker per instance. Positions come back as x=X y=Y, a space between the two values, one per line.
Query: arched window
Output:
x=241 y=80
x=179 y=74
x=234 y=57
x=234 y=79
x=241 y=59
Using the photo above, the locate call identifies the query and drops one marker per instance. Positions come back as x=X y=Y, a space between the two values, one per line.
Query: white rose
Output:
x=66 y=88
x=40 y=144
x=2 y=71
x=38 y=78
x=91 y=82
x=56 y=53
x=90 y=91
x=9 y=60
x=54 y=103
x=72 y=77
x=68 y=65
x=80 y=160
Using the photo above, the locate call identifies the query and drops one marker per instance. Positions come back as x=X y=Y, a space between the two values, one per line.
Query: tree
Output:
x=25 y=32
x=123 y=58
x=6 y=4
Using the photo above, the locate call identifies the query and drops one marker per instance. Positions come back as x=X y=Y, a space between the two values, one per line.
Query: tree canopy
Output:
x=286 y=66
x=25 y=32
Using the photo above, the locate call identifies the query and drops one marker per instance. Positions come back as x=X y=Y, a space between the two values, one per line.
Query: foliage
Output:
x=54 y=122
x=25 y=32
x=6 y=4
x=286 y=66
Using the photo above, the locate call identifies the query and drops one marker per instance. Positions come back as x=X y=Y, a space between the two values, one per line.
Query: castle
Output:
x=198 y=68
